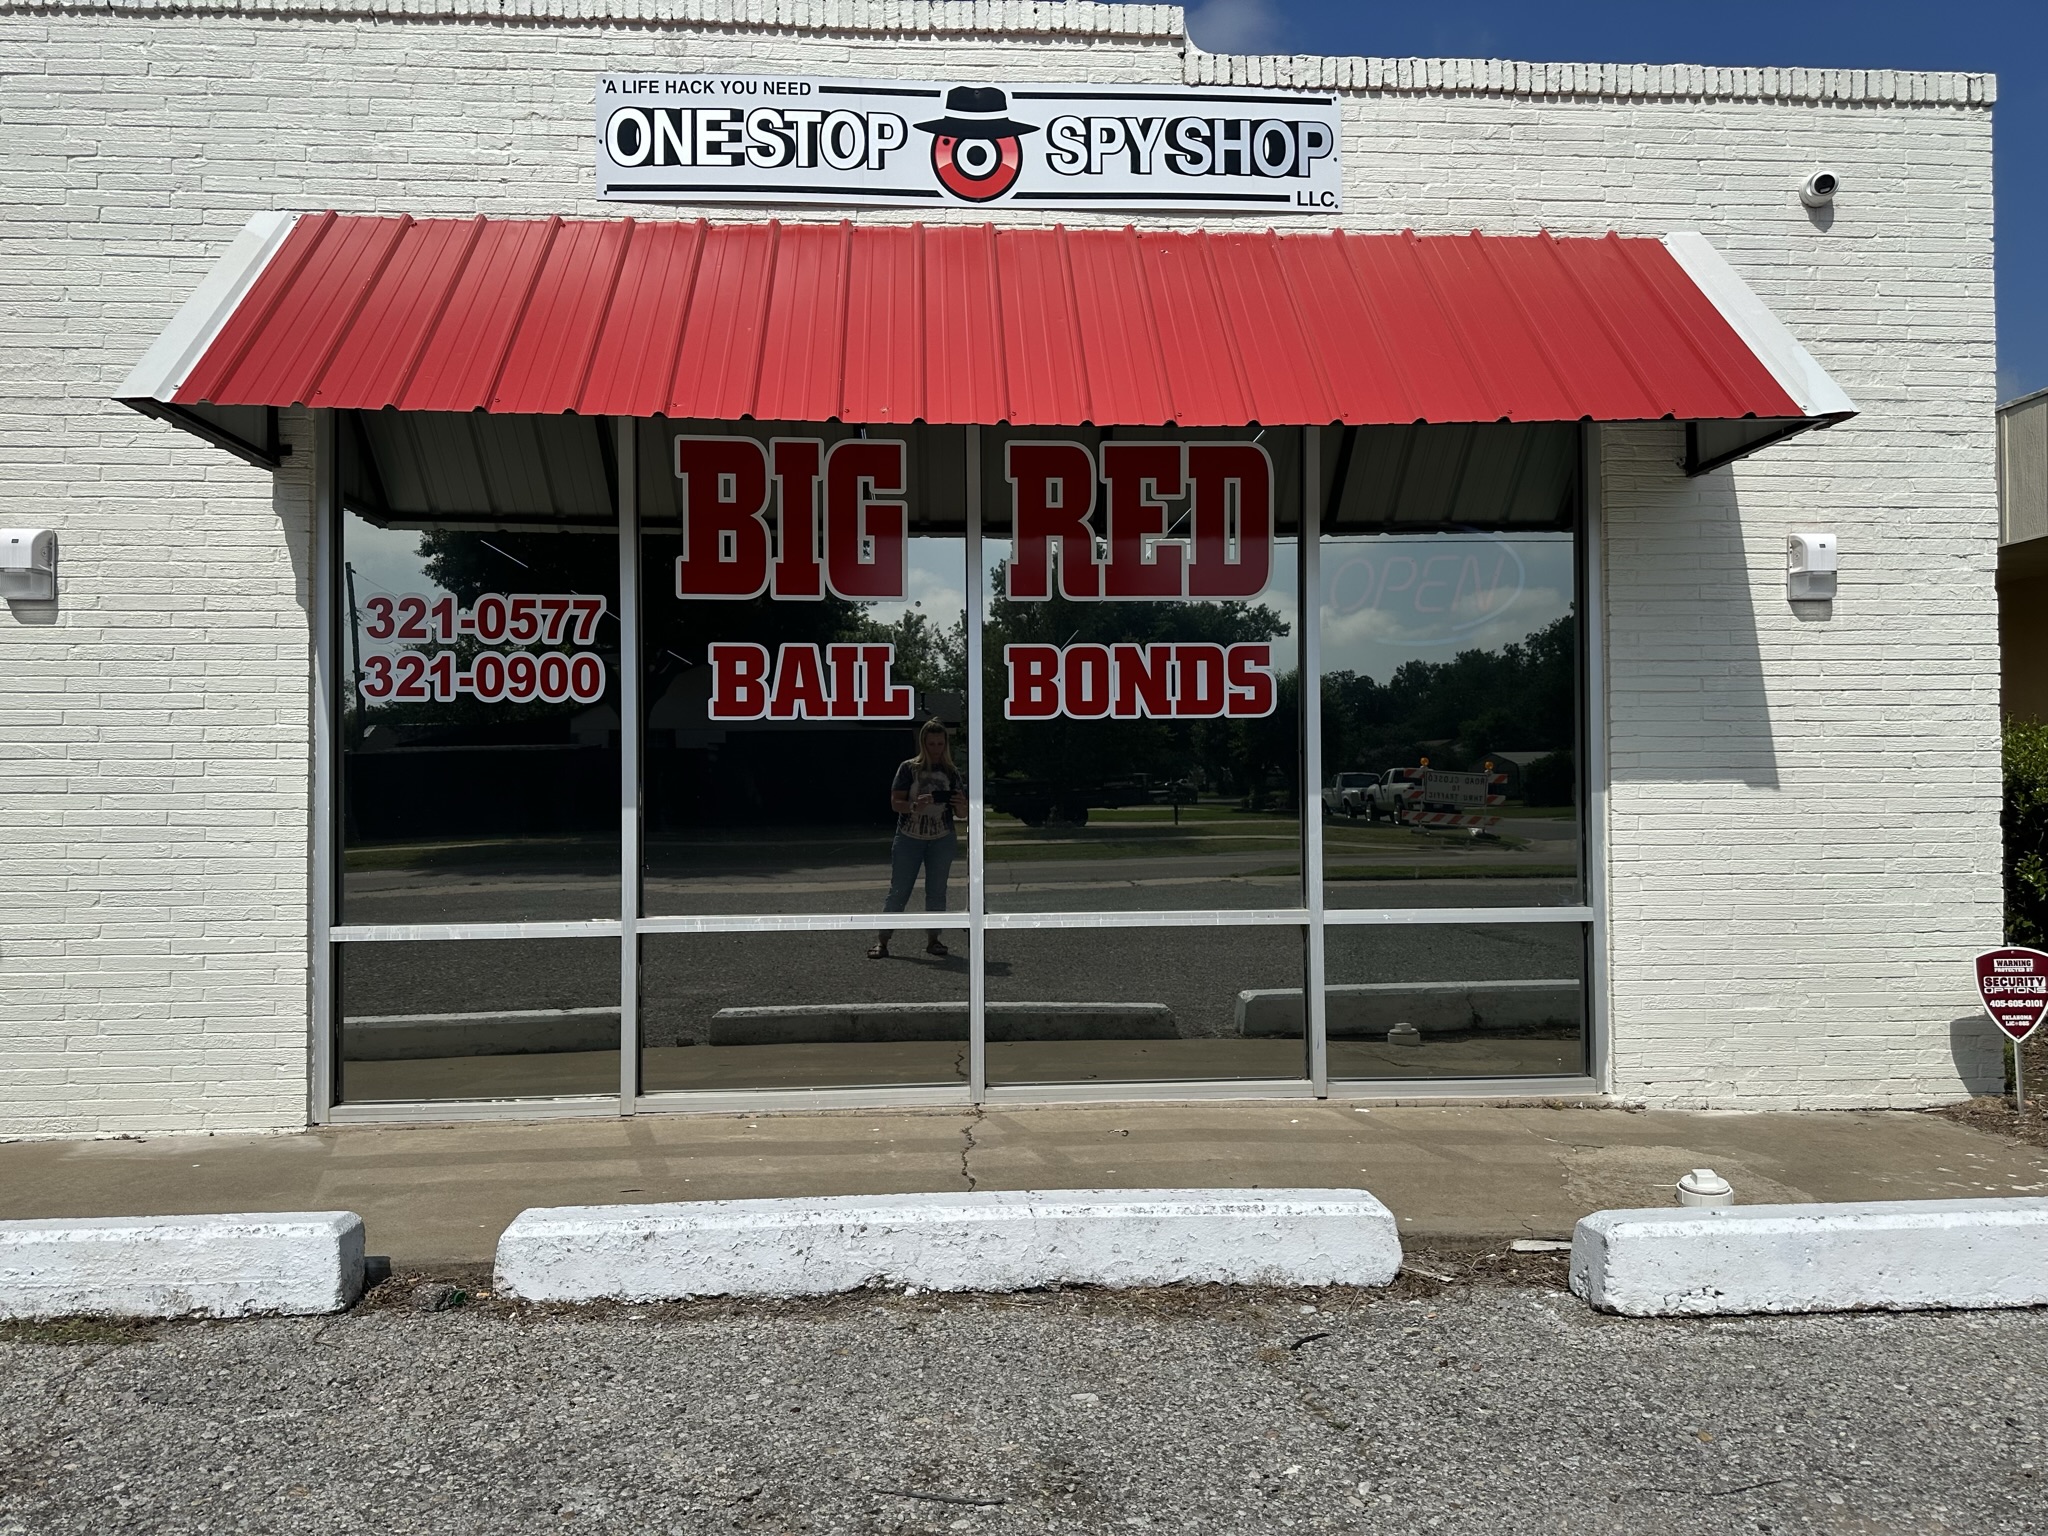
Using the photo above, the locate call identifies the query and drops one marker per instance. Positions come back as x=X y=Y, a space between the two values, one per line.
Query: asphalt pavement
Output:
x=1468 y=1406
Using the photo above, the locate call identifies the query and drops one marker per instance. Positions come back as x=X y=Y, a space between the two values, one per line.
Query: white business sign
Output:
x=913 y=143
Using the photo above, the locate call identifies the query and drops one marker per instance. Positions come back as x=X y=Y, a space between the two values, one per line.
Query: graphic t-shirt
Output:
x=926 y=822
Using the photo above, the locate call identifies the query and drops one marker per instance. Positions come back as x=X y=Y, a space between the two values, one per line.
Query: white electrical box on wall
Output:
x=1810 y=567
x=28 y=565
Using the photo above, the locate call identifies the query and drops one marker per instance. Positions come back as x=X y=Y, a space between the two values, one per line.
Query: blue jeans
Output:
x=907 y=855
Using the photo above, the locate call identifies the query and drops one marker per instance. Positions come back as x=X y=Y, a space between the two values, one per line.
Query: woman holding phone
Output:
x=928 y=798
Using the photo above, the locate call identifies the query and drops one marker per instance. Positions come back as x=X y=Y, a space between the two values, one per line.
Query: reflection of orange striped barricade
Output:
x=1434 y=787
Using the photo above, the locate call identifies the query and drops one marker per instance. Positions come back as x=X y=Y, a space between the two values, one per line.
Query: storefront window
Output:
x=1143 y=682
x=807 y=612
x=1450 y=654
x=478 y=658
x=804 y=613
x=730 y=1011
x=1474 y=1000
x=1116 y=1004
x=477 y=1019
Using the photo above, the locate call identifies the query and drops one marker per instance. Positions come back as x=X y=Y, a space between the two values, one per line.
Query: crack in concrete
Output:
x=967 y=1146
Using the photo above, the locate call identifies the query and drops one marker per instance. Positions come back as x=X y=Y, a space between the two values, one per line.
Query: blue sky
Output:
x=2008 y=38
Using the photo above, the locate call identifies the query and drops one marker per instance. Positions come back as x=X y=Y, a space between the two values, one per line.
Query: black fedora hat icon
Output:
x=977 y=112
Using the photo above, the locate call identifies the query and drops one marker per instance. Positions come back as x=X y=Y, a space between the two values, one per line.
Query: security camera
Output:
x=1819 y=190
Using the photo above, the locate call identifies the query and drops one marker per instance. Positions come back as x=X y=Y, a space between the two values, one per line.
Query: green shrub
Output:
x=2026 y=831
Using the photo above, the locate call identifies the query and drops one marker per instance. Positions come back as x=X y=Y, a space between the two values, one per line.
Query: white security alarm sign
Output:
x=926 y=144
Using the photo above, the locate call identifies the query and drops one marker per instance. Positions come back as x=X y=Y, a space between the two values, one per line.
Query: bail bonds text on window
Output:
x=796 y=518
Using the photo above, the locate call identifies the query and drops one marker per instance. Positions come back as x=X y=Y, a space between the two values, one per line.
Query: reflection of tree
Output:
x=926 y=656
x=1522 y=697
x=1233 y=756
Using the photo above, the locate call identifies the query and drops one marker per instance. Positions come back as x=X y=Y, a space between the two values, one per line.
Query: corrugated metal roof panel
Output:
x=1368 y=371
x=1283 y=363
x=720 y=362
x=1033 y=327
x=1442 y=384
x=485 y=307
x=551 y=350
x=1114 y=313
x=1044 y=347
x=806 y=312
x=635 y=358
x=882 y=371
x=376 y=359
x=964 y=368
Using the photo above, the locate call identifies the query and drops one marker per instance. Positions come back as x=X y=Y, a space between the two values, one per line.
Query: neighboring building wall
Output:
x=2023 y=557
x=2023 y=630
x=1791 y=908
x=2023 y=469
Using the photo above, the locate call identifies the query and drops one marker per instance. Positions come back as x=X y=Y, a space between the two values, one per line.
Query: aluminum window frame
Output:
x=1312 y=917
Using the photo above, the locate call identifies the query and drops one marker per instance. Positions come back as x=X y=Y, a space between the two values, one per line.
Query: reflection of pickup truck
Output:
x=1391 y=794
x=1346 y=794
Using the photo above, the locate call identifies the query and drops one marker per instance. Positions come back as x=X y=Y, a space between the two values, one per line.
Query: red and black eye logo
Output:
x=976 y=147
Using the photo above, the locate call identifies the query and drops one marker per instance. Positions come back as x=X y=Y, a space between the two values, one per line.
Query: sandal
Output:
x=879 y=952
x=936 y=948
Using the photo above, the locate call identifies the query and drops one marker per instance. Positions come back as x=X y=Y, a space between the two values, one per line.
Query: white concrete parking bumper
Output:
x=294 y=1263
x=1878 y=1255
x=984 y=1241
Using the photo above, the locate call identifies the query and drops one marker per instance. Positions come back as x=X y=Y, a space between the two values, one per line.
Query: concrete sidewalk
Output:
x=442 y=1194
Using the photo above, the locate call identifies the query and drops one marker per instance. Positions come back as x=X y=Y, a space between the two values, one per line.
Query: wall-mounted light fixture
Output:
x=1810 y=567
x=28 y=567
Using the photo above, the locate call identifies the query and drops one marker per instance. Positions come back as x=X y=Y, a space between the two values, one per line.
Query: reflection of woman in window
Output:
x=927 y=798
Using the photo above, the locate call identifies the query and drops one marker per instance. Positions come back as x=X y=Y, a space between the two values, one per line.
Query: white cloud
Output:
x=938 y=585
x=1395 y=598
x=1237 y=26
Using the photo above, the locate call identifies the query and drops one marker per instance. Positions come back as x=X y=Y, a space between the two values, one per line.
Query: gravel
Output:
x=1485 y=1404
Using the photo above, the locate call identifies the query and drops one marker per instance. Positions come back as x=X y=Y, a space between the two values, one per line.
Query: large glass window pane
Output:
x=1141 y=670
x=1451 y=668
x=800 y=1010
x=1483 y=1000
x=793 y=645
x=1112 y=1004
x=477 y=1019
x=478 y=653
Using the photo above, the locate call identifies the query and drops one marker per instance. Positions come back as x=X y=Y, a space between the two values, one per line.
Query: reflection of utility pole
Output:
x=355 y=651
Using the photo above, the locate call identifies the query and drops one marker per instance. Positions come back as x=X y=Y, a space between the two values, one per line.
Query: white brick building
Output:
x=1786 y=816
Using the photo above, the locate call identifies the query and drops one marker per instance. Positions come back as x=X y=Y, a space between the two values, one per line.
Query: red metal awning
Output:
x=976 y=323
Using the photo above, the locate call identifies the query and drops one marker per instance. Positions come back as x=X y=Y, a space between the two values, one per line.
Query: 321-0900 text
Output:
x=552 y=677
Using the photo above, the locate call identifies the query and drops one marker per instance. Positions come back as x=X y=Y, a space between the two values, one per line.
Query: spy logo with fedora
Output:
x=976 y=147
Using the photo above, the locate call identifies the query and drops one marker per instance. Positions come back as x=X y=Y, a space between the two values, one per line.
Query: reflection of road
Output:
x=479 y=893
x=667 y=1069
x=1195 y=972
x=835 y=870
x=1080 y=885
